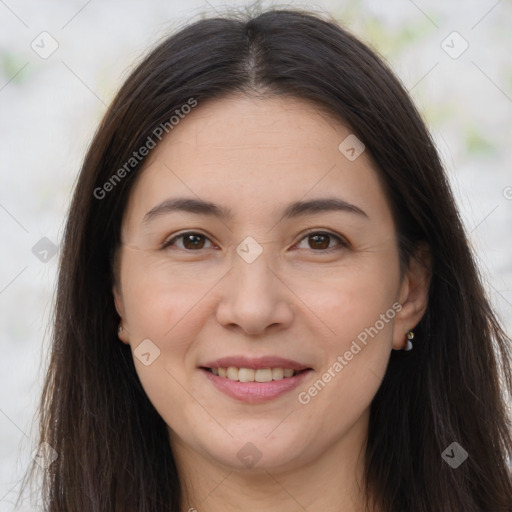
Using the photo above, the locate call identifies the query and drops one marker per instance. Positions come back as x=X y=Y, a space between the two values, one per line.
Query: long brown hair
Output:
x=113 y=447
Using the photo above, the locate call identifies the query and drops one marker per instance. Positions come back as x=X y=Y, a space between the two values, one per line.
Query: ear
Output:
x=413 y=295
x=123 y=334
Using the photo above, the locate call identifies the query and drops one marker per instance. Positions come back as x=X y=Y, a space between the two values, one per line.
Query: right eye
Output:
x=190 y=241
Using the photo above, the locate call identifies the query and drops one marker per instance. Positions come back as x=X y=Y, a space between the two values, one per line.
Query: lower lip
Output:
x=255 y=392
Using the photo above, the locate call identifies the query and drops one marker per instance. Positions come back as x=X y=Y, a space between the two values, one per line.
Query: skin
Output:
x=297 y=300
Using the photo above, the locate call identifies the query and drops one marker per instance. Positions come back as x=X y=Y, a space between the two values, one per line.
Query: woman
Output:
x=266 y=297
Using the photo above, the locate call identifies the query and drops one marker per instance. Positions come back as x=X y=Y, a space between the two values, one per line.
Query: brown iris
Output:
x=319 y=241
x=191 y=241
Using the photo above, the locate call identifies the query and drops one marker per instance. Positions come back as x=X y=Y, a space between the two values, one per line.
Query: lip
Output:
x=256 y=363
x=255 y=392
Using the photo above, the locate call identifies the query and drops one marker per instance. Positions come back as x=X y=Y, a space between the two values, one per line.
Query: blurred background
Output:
x=62 y=62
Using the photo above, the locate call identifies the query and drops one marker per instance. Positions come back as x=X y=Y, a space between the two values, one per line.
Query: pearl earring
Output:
x=410 y=337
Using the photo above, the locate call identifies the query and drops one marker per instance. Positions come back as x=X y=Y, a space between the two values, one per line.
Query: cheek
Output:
x=350 y=300
x=159 y=296
x=357 y=309
x=163 y=306
x=358 y=312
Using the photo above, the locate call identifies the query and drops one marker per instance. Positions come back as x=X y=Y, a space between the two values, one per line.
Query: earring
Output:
x=410 y=337
x=119 y=329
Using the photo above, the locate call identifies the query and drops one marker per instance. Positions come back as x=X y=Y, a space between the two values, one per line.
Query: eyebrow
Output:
x=293 y=210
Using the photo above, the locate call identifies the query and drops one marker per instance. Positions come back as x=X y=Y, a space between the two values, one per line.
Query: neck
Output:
x=333 y=481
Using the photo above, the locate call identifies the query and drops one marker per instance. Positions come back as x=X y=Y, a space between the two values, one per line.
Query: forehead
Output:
x=252 y=154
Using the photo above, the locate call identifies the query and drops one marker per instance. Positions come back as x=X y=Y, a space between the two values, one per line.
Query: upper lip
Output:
x=255 y=363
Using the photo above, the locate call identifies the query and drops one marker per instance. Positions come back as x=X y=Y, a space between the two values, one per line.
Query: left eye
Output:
x=321 y=241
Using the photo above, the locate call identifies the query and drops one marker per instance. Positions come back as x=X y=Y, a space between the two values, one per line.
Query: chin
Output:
x=257 y=452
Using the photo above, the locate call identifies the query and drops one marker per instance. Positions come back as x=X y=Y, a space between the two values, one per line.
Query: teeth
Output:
x=246 y=375
x=263 y=375
x=277 y=373
x=250 y=375
x=233 y=373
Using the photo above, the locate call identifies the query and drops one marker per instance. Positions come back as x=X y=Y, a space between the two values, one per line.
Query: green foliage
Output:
x=477 y=143
x=11 y=67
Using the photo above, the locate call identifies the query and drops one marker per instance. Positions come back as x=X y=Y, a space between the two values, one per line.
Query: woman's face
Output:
x=258 y=244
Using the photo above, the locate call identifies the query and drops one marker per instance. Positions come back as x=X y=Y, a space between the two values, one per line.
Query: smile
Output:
x=255 y=380
x=251 y=375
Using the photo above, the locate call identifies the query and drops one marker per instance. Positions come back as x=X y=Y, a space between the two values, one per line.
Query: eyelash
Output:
x=342 y=243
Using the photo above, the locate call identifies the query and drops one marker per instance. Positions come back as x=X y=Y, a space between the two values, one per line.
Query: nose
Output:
x=254 y=299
